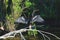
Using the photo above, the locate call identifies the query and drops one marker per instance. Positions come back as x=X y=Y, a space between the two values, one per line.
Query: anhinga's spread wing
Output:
x=37 y=18
x=21 y=20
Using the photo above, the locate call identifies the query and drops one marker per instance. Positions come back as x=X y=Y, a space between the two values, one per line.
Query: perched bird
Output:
x=25 y=19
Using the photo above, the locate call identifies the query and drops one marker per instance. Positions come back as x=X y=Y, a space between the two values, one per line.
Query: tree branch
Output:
x=24 y=30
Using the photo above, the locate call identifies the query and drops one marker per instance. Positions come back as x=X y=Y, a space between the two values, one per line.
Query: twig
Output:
x=47 y=37
x=22 y=36
x=10 y=33
x=34 y=11
x=42 y=35
x=50 y=34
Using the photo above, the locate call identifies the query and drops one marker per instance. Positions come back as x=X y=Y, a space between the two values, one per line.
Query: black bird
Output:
x=25 y=19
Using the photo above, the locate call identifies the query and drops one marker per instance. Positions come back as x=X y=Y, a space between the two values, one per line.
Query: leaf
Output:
x=28 y=4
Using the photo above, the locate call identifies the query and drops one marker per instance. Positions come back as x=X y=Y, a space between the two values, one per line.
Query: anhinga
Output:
x=25 y=19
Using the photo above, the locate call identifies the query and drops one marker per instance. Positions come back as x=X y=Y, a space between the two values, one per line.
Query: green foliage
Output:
x=14 y=14
x=6 y=1
x=10 y=18
x=32 y=32
x=16 y=7
x=28 y=4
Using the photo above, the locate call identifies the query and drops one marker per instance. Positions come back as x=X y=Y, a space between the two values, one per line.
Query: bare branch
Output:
x=34 y=11
x=50 y=34
x=24 y=30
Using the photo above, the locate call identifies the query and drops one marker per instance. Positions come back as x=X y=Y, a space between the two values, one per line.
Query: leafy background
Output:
x=10 y=10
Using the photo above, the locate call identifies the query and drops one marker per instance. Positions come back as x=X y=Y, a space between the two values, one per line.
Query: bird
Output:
x=31 y=19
